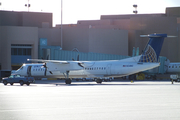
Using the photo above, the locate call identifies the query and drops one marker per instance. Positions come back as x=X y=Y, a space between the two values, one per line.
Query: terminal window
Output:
x=20 y=51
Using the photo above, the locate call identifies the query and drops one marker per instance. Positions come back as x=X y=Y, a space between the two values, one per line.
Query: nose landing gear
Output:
x=67 y=79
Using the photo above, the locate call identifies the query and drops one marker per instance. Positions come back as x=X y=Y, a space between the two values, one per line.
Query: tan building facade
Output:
x=19 y=36
x=10 y=35
x=140 y=24
x=96 y=40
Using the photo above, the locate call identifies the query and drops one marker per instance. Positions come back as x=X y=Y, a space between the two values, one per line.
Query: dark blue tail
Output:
x=153 y=48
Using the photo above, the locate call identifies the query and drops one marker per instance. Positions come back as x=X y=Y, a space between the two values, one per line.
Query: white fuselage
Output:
x=173 y=68
x=90 y=69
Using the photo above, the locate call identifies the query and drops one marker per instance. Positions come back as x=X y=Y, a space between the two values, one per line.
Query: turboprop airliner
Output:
x=97 y=69
x=174 y=68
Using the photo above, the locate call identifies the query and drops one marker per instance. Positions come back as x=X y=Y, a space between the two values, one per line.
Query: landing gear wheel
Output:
x=27 y=83
x=154 y=77
x=99 y=81
x=21 y=83
x=5 y=82
x=68 y=81
x=130 y=77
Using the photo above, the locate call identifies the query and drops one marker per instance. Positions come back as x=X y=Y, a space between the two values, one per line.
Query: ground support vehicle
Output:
x=175 y=78
x=18 y=79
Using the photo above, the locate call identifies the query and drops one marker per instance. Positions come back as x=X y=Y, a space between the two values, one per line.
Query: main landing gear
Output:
x=132 y=77
x=98 y=80
x=67 y=79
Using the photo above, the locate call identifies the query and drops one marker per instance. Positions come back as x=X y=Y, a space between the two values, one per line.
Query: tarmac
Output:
x=117 y=100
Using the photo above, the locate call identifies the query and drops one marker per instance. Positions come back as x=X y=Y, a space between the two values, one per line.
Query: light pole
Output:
x=28 y=5
x=0 y=4
x=61 y=25
x=135 y=11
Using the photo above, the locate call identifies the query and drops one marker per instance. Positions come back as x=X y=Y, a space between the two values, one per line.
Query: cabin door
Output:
x=108 y=69
x=29 y=71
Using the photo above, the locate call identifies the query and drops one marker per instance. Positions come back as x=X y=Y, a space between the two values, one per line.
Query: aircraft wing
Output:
x=80 y=63
x=45 y=61
x=57 y=65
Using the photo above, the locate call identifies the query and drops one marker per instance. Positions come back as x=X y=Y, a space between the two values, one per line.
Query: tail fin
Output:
x=153 y=48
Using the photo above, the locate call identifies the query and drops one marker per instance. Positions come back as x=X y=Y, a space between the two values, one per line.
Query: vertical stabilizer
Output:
x=153 y=48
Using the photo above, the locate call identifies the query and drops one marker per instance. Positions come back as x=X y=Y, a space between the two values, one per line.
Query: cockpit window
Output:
x=21 y=68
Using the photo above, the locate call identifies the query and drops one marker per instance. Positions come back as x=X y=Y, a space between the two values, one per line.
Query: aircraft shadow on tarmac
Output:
x=113 y=83
x=92 y=83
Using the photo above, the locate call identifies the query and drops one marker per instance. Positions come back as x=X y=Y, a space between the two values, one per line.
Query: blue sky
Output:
x=74 y=10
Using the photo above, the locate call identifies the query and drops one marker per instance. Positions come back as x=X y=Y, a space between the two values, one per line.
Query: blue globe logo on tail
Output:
x=149 y=55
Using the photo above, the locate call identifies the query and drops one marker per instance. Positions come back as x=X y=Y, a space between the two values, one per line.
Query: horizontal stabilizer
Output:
x=157 y=35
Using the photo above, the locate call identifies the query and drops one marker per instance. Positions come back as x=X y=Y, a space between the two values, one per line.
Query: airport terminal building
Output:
x=25 y=35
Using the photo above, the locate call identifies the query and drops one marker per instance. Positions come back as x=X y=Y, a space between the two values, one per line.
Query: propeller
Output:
x=50 y=72
x=45 y=69
x=77 y=58
x=45 y=72
x=80 y=65
x=47 y=57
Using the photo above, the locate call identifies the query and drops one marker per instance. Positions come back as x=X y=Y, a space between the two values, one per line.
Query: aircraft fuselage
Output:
x=95 y=69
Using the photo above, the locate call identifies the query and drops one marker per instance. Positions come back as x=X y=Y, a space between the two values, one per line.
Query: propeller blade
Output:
x=45 y=69
x=78 y=57
x=45 y=65
x=80 y=65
